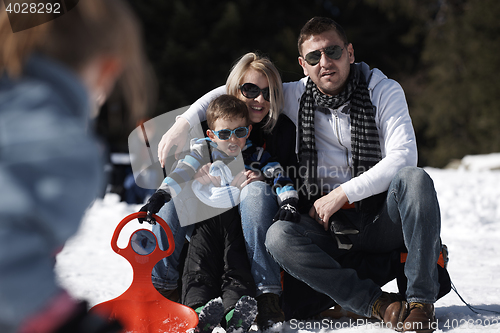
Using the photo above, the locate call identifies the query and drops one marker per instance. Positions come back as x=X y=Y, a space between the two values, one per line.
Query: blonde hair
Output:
x=91 y=28
x=265 y=66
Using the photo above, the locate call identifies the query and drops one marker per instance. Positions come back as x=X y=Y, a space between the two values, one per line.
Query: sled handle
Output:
x=157 y=251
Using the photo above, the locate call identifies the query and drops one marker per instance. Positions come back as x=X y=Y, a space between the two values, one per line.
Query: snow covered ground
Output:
x=470 y=206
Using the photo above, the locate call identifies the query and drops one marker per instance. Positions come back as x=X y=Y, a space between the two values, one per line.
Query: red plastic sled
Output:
x=142 y=309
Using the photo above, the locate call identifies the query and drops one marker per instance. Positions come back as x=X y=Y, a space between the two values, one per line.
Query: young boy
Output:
x=217 y=280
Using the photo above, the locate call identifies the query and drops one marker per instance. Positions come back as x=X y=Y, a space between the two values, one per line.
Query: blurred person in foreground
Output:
x=53 y=79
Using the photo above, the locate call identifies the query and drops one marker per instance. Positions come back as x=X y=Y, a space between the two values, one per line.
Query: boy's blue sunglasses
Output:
x=225 y=134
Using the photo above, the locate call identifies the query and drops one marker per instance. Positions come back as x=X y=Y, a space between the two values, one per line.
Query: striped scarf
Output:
x=365 y=145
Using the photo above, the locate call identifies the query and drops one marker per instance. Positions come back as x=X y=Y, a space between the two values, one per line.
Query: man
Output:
x=356 y=147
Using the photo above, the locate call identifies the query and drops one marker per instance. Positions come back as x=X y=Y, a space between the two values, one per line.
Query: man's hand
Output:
x=327 y=205
x=176 y=136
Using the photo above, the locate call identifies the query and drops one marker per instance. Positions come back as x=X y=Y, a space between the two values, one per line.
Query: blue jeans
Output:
x=165 y=273
x=257 y=210
x=410 y=218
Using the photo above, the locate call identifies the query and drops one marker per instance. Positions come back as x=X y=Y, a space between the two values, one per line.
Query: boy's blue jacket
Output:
x=256 y=158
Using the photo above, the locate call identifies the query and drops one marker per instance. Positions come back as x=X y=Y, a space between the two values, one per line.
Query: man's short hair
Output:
x=317 y=25
x=226 y=107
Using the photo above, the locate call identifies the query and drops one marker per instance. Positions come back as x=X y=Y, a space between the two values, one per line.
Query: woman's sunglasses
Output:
x=332 y=52
x=251 y=91
x=225 y=134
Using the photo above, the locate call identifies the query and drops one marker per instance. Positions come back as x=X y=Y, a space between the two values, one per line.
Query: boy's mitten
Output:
x=288 y=199
x=288 y=211
x=157 y=200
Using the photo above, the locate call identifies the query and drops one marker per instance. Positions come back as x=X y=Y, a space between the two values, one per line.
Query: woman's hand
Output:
x=328 y=205
x=176 y=136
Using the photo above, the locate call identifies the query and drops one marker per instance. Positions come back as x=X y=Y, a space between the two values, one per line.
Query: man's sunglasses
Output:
x=332 y=52
x=251 y=91
x=225 y=134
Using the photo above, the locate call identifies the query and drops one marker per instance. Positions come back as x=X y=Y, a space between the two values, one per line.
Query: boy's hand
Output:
x=204 y=177
x=239 y=179
x=252 y=176
x=157 y=200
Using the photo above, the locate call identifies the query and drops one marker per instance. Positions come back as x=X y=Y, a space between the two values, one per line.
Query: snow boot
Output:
x=242 y=316
x=389 y=309
x=210 y=316
x=421 y=318
x=270 y=312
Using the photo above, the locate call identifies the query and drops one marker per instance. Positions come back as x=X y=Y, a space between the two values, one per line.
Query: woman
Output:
x=256 y=81
x=53 y=78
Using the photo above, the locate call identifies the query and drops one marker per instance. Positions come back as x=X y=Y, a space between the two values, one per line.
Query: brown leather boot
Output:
x=421 y=318
x=389 y=309
x=338 y=312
